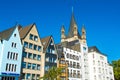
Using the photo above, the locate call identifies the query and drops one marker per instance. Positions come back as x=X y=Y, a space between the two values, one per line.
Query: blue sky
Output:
x=100 y=17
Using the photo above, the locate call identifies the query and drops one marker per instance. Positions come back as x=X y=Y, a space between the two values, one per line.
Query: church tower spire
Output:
x=63 y=34
x=83 y=37
x=73 y=30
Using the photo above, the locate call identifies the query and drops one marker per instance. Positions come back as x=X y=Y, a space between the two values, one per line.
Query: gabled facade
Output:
x=50 y=53
x=10 y=54
x=75 y=45
x=33 y=57
x=99 y=66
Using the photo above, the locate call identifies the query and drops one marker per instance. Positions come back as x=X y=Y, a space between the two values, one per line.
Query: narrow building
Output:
x=99 y=67
x=33 y=57
x=10 y=54
x=61 y=63
x=50 y=52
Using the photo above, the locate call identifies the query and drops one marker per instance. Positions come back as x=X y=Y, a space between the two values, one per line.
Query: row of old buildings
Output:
x=26 y=56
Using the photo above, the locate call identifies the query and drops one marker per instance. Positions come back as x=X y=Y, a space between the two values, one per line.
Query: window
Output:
x=50 y=59
x=8 y=55
x=16 y=56
x=25 y=54
x=29 y=66
x=67 y=55
x=15 y=68
x=12 y=67
x=30 y=55
x=11 y=55
x=93 y=56
x=26 y=44
x=30 y=45
x=28 y=76
x=78 y=65
x=99 y=70
x=98 y=63
x=6 y=66
x=74 y=65
x=84 y=48
x=38 y=76
x=12 y=44
x=34 y=66
x=35 y=47
x=46 y=67
x=70 y=56
x=15 y=45
x=39 y=48
x=94 y=69
x=34 y=56
x=93 y=62
x=35 y=38
x=101 y=57
x=38 y=67
x=39 y=57
x=9 y=67
x=23 y=64
x=31 y=37
x=23 y=76
x=14 y=35
x=62 y=61
x=33 y=76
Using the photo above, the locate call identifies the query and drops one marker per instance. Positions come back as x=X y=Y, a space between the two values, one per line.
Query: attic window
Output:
x=14 y=35
x=92 y=50
x=35 y=38
x=31 y=37
x=44 y=43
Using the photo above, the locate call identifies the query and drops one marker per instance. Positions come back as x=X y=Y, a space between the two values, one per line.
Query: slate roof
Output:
x=71 y=28
x=74 y=45
x=94 y=48
x=25 y=30
x=7 y=33
x=45 y=42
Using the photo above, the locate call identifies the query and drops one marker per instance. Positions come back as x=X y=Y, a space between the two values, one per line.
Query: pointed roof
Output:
x=7 y=33
x=71 y=28
x=63 y=28
x=24 y=31
x=83 y=28
x=45 y=42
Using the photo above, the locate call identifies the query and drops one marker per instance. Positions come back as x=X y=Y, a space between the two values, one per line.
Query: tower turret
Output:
x=83 y=37
x=63 y=34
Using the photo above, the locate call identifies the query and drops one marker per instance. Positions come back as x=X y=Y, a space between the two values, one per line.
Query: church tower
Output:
x=83 y=37
x=63 y=34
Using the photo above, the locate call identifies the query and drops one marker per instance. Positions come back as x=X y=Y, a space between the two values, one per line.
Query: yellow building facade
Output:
x=33 y=56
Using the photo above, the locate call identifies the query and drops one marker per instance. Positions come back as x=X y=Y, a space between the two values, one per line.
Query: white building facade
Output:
x=99 y=66
x=73 y=59
x=10 y=54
